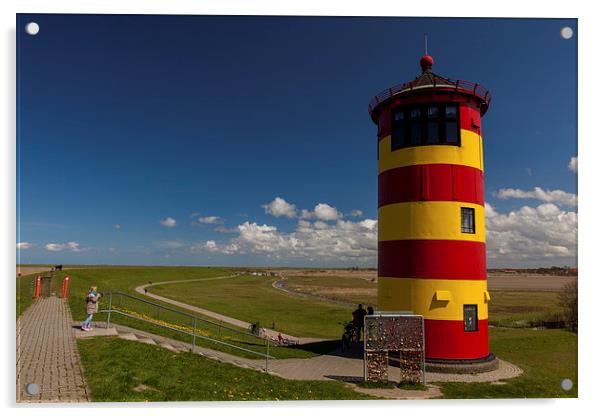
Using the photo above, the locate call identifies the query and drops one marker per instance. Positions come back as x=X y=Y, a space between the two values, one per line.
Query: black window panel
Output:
x=398 y=116
x=451 y=132
x=416 y=134
x=471 y=320
x=432 y=136
x=433 y=111
x=467 y=220
x=428 y=124
x=398 y=137
x=451 y=112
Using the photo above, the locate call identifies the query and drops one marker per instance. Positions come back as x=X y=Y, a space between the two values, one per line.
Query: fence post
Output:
x=110 y=306
x=267 y=354
x=65 y=286
x=194 y=335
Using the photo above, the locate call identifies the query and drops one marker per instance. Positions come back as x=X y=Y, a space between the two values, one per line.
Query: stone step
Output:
x=167 y=346
x=148 y=341
x=128 y=336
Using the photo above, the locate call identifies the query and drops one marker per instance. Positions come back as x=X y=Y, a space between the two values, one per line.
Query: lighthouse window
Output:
x=451 y=112
x=433 y=133
x=423 y=125
x=416 y=134
x=451 y=132
x=433 y=111
x=470 y=318
x=467 y=222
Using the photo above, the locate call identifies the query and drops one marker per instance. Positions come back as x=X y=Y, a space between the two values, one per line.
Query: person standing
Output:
x=92 y=299
x=358 y=319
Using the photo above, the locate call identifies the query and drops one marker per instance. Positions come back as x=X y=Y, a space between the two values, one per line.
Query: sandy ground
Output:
x=527 y=282
x=25 y=270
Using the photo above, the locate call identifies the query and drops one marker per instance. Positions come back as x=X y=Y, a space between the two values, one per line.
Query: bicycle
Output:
x=351 y=334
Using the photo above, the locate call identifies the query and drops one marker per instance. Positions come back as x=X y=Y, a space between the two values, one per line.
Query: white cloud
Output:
x=211 y=220
x=356 y=213
x=326 y=213
x=117 y=226
x=556 y=196
x=530 y=233
x=211 y=246
x=168 y=222
x=341 y=242
x=280 y=208
x=71 y=246
x=573 y=164
x=305 y=214
x=24 y=246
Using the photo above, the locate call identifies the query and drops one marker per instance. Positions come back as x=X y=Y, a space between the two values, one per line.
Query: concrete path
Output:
x=47 y=354
x=222 y=318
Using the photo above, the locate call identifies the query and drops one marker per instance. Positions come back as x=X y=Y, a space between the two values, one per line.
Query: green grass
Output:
x=24 y=293
x=126 y=279
x=546 y=356
x=140 y=372
x=347 y=289
x=253 y=299
x=512 y=308
x=25 y=290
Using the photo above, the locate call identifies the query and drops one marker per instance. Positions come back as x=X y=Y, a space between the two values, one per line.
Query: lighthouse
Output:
x=431 y=215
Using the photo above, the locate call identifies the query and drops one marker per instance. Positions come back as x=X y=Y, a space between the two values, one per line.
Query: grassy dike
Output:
x=117 y=370
x=126 y=279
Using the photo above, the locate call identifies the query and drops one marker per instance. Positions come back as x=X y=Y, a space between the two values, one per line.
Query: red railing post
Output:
x=38 y=288
x=65 y=286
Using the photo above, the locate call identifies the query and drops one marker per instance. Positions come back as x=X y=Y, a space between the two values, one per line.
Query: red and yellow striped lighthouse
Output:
x=431 y=216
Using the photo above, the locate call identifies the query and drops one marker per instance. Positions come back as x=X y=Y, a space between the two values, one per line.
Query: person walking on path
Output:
x=92 y=299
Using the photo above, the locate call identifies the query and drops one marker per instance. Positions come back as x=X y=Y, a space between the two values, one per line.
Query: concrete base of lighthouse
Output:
x=479 y=365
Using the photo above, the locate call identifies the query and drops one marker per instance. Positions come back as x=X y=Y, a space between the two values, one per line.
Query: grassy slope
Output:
x=161 y=375
x=254 y=299
x=126 y=279
x=546 y=356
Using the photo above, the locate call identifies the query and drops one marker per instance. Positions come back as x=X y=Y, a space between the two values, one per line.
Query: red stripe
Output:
x=470 y=117
x=447 y=340
x=432 y=259
x=434 y=182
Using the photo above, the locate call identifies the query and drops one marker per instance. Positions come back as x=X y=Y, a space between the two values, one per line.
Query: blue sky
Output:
x=134 y=132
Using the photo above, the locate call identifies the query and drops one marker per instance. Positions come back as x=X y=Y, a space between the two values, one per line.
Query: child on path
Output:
x=92 y=299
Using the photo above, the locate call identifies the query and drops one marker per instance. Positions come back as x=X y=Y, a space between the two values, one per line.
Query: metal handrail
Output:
x=113 y=310
x=167 y=308
x=455 y=84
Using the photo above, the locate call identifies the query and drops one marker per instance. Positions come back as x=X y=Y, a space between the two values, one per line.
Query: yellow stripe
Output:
x=470 y=153
x=428 y=220
x=419 y=296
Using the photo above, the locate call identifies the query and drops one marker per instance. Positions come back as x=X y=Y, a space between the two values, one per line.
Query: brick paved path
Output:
x=47 y=354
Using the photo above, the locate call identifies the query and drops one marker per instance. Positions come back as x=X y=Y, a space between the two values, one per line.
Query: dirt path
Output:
x=222 y=318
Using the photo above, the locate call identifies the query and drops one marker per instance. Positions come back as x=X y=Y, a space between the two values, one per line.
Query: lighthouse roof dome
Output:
x=428 y=80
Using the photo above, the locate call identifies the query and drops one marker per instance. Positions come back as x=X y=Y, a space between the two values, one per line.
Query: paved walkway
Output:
x=222 y=318
x=47 y=354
